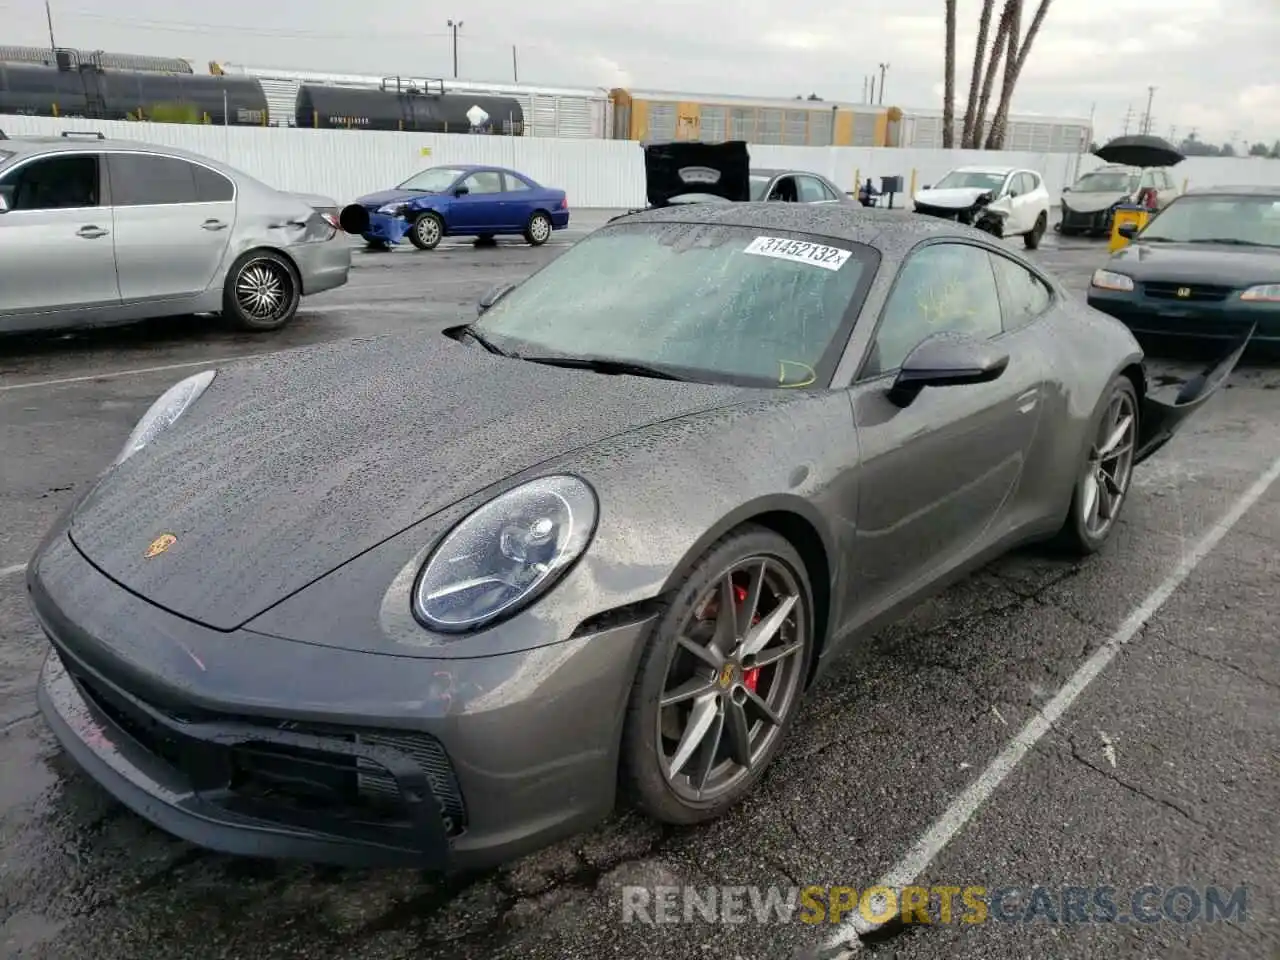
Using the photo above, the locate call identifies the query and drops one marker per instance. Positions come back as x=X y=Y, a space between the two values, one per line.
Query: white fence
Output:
x=344 y=164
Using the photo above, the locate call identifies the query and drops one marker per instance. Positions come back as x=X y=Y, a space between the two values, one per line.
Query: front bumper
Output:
x=252 y=745
x=1223 y=319
x=386 y=229
x=1097 y=222
x=325 y=265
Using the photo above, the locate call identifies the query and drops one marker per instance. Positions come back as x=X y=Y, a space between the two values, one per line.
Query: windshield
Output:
x=1210 y=219
x=959 y=178
x=1109 y=182
x=434 y=180
x=757 y=187
x=714 y=303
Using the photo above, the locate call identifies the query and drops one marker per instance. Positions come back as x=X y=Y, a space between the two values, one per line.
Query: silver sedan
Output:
x=96 y=231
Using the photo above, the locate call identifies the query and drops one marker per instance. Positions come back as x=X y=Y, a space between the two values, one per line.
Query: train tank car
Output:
x=97 y=94
x=408 y=109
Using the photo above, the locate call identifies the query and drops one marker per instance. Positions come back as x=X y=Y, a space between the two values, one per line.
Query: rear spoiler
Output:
x=1160 y=419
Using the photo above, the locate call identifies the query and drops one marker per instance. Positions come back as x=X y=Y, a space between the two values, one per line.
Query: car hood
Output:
x=1192 y=263
x=375 y=200
x=1091 y=201
x=288 y=467
x=954 y=197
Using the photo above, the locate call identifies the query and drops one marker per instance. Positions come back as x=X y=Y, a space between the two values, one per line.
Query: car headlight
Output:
x=172 y=404
x=1263 y=293
x=391 y=209
x=506 y=554
x=1107 y=280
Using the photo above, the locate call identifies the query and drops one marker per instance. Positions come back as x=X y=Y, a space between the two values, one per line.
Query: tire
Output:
x=538 y=230
x=427 y=231
x=1078 y=535
x=1032 y=239
x=262 y=291
x=653 y=732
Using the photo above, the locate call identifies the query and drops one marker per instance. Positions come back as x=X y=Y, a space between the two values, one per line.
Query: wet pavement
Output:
x=1165 y=771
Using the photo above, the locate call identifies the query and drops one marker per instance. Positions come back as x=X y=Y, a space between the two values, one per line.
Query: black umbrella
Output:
x=1140 y=150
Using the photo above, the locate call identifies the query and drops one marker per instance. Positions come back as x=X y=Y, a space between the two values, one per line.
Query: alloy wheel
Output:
x=263 y=290
x=734 y=676
x=539 y=229
x=1110 y=466
x=428 y=230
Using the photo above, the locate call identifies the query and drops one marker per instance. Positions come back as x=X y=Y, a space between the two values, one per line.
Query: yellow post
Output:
x=1185 y=181
x=912 y=191
x=857 y=179
x=1138 y=216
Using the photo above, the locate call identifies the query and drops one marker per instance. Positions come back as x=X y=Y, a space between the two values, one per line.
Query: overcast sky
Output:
x=1213 y=62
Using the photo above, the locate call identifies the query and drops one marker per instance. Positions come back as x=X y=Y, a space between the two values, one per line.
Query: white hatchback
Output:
x=1005 y=201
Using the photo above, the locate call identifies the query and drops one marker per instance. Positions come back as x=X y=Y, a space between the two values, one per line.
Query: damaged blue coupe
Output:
x=458 y=201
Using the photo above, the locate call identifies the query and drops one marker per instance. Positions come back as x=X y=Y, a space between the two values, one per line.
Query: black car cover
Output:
x=691 y=166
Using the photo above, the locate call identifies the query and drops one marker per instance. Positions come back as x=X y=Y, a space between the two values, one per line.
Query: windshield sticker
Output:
x=798 y=251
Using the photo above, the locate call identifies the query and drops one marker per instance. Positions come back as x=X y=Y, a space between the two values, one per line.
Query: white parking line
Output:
x=10 y=571
x=110 y=375
x=944 y=829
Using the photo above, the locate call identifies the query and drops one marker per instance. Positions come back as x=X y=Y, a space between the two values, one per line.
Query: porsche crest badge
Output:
x=160 y=544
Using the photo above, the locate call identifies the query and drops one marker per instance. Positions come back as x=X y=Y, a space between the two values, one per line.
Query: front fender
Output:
x=1159 y=420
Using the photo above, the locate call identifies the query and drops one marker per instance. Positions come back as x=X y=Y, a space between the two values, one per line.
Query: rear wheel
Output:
x=720 y=680
x=1102 y=486
x=538 y=230
x=1032 y=239
x=427 y=231
x=262 y=291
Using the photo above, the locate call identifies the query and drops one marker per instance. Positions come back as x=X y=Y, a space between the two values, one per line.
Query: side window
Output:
x=1023 y=295
x=211 y=186
x=944 y=287
x=54 y=183
x=143 y=180
x=811 y=190
x=514 y=183
x=830 y=191
x=484 y=181
x=784 y=190
x=1030 y=182
x=1010 y=186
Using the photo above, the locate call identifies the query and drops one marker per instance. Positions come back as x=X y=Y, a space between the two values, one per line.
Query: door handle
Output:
x=214 y=225
x=91 y=232
x=1027 y=402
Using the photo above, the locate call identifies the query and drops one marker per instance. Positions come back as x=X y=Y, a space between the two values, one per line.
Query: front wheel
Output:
x=262 y=291
x=427 y=231
x=1103 y=482
x=538 y=230
x=720 y=680
x=1032 y=239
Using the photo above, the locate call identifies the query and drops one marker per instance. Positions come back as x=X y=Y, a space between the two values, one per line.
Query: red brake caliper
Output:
x=750 y=677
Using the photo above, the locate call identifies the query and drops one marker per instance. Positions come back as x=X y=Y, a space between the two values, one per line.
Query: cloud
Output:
x=1207 y=59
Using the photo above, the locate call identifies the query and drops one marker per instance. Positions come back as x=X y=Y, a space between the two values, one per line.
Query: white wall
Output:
x=344 y=164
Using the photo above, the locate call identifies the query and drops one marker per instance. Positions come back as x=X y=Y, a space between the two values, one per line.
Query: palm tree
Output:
x=979 y=54
x=1012 y=42
x=949 y=95
x=1012 y=71
x=988 y=82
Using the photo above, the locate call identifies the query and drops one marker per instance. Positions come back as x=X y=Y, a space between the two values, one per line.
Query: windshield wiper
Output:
x=605 y=365
x=484 y=341
x=1231 y=242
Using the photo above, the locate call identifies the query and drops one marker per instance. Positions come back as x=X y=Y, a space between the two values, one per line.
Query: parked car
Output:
x=794 y=186
x=458 y=201
x=659 y=487
x=1206 y=267
x=96 y=231
x=1088 y=205
x=1004 y=201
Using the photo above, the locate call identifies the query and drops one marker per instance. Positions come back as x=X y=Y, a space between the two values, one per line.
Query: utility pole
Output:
x=883 y=67
x=864 y=88
x=515 y=66
x=873 y=90
x=48 y=15
x=455 y=27
x=1128 y=119
x=1146 y=120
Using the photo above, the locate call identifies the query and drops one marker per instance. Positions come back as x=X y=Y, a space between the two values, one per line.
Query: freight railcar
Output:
x=419 y=108
x=91 y=92
x=52 y=56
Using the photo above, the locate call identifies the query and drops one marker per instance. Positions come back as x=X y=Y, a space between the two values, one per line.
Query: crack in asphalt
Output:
x=1218 y=661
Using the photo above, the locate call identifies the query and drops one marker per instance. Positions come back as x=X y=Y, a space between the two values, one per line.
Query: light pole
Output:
x=455 y=27
x=883 y=68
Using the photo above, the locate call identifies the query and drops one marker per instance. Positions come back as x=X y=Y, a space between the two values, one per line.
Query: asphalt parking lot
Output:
x=1153 y=671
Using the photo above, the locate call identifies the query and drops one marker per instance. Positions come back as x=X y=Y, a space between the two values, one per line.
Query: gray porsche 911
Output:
x=429 y=600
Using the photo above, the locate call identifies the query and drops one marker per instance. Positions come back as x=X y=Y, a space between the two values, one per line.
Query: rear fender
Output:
x=1159 y=420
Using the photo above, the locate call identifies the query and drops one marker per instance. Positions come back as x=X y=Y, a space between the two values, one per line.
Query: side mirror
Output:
x=1128 y=230
x=926 y=187
x=461 y=191
x=493 y=296
x=1066 y=189
x=1013 y=194
x=947 y=360
x=4 y=204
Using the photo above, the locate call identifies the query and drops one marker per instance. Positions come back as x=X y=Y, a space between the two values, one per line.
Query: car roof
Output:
x=979 y=168
x=23 y=145
x=779 y=171
x=1252 y=190
x=891 y=231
